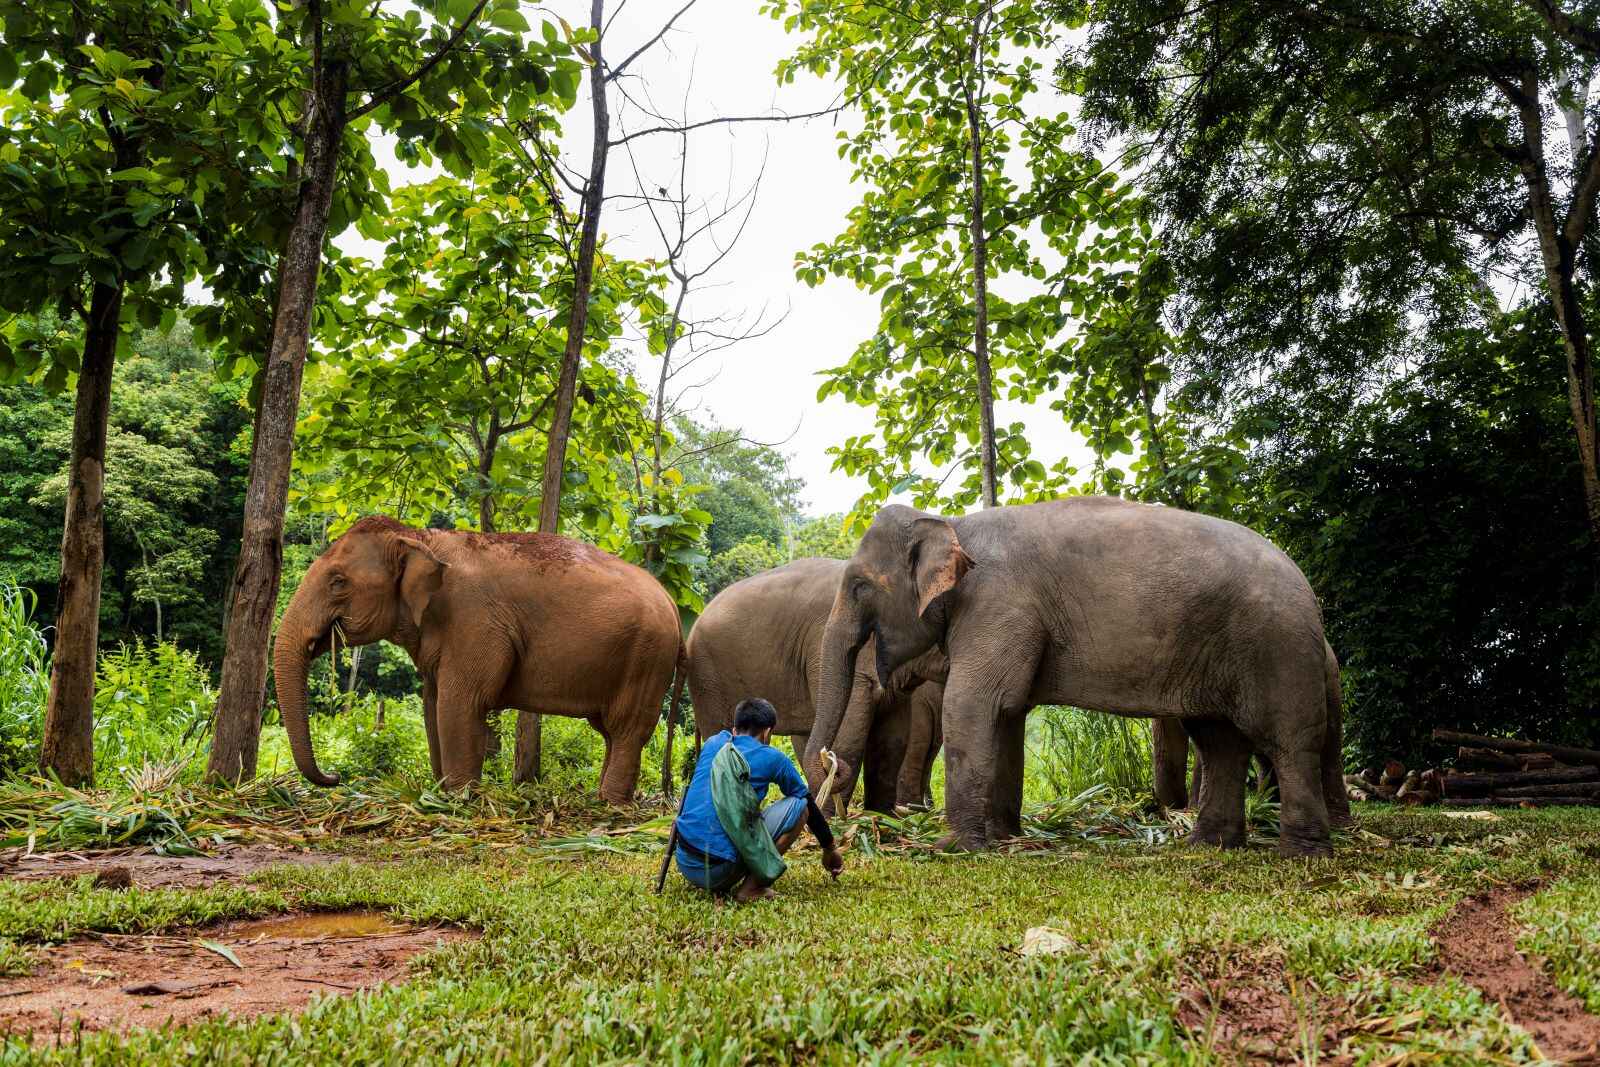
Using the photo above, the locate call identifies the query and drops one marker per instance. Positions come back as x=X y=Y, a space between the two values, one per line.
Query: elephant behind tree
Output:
x=536 y=622
x=762 y=637
x=1106 y=605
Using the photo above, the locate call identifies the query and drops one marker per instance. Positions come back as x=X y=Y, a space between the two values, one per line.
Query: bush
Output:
x=24 y=681
x=1070 y=750
x=152 y=704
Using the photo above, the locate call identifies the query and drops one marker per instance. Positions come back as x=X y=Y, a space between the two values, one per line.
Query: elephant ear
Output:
x=420 y=574
x=937 y=560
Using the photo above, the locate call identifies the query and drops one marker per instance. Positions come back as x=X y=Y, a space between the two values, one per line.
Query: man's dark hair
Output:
x=754 y=715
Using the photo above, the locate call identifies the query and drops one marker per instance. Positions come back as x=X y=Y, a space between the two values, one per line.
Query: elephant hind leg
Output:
x=1225 y=754
x=629 y=725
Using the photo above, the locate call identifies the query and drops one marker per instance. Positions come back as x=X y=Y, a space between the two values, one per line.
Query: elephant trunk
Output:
x=841 y=641
x=291 y=661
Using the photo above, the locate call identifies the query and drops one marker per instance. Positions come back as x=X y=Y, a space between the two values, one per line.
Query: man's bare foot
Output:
x=750 y=889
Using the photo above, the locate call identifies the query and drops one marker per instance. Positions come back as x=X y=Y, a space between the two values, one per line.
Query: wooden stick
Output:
x=1465 y=784
x=1522 y=802
x=1587 y=756
x=1564 y=789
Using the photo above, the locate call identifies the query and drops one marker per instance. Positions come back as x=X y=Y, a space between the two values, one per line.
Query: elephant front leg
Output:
x=430 y=723
x=463 y=740
x=1169 y=759
x=1006 y=811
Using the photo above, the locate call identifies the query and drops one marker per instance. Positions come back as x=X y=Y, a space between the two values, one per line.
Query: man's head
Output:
x=755 y=718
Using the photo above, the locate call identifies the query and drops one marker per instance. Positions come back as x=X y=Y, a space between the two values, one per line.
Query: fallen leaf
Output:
x=220 y=949
x=1476 y=816
x=1047 y=941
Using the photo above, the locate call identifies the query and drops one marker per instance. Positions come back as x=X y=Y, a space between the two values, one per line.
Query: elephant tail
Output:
x=680 y=673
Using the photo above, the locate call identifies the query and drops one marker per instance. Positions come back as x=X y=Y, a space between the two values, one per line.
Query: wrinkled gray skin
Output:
x=762 y=637
x=1169 y=759
x=1103 y=604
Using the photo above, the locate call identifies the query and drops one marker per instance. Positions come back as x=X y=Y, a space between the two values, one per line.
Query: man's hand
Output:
x=832 y=861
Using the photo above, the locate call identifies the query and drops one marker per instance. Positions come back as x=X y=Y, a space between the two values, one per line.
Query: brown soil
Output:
x=1243 y=1009
x=124 y=982
x=1477 y=942
x=147 y=870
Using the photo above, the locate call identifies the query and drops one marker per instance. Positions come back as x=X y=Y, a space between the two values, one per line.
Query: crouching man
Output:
x=725 y=840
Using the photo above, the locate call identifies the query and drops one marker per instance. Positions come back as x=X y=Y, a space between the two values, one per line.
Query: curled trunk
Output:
x=841 y=641
x=291 y=663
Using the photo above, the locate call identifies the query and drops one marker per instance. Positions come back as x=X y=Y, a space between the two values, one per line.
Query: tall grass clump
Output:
x=24 y=681
x=1071 y=750
x=152 y=705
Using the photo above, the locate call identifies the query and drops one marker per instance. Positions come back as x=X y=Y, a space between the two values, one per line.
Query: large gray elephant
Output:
x=762 y=637
x=1102 y=604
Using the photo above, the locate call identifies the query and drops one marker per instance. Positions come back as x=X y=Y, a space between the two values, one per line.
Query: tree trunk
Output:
x=1558 y=251
x=980 y=273
x=526 y=755
x=260 y=566
x=555 y=456
x=68 y=749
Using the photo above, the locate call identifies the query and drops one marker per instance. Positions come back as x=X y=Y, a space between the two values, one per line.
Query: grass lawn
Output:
x=1171 y=954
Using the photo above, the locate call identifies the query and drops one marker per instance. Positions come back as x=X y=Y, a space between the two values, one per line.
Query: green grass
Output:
x=911 y=957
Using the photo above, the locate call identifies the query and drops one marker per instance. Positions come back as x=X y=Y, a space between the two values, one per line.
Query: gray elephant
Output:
x=763 y=637
x=1102 y=604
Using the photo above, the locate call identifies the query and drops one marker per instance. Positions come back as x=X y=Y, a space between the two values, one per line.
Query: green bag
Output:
x=740 y=815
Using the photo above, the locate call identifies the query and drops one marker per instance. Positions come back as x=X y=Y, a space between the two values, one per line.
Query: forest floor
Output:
x=1426 y=939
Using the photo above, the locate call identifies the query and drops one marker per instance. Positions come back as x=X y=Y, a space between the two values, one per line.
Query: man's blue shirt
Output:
x=699 y=826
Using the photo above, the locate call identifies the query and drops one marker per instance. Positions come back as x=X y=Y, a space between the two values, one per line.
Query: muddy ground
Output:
x=250 y=968
x=147 y=870
x=1250 y=1011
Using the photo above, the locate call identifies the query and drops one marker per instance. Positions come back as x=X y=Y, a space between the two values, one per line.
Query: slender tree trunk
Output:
x=68 y=749
x=486 y=501
x=980 y=271
x=259 y=570
x=555 y=456
x=1558 y=249
x=527 y=756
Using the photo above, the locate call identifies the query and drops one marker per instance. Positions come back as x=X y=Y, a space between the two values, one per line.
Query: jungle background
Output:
x=1219 y=317
x=1323 y=267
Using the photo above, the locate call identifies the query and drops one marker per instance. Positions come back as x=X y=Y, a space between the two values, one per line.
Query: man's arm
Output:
x=787 y=778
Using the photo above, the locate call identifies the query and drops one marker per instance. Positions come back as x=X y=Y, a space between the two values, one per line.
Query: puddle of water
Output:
x=320 y=924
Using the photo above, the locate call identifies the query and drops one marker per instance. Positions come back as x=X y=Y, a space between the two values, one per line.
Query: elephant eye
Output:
x=338 y=582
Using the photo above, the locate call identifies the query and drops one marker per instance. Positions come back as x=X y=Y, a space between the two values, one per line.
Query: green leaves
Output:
x=1056 y=223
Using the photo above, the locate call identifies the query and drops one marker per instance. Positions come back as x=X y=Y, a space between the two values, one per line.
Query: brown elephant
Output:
x=535 y=621
x=1101 y=604
x=763 y=637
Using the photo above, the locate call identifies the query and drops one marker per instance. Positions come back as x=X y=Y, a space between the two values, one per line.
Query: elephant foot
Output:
x=1298 y=846
x=1216 y=837
x=959 y=841
x=1342 y=818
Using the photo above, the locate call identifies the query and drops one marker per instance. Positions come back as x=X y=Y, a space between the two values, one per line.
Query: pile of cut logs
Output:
x=1490 y=772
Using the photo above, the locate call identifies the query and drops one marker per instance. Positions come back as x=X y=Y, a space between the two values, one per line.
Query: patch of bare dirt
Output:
x=125 y=982
x=1477 y=943
x=1245 y=1010
x=145 y=869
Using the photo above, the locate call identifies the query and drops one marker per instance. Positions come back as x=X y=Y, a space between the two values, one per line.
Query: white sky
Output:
x=765 y=386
